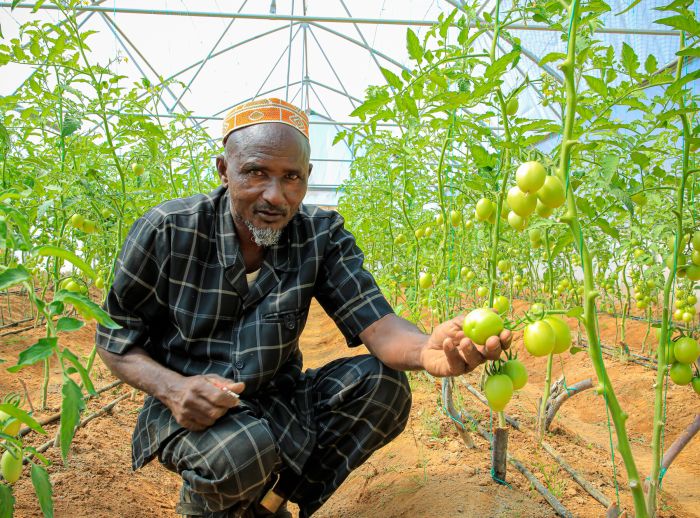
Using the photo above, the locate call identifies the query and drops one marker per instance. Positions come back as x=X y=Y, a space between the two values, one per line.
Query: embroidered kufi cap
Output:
x=261 y=111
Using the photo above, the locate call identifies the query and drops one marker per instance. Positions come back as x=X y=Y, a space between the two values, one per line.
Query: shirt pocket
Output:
x=287 y=325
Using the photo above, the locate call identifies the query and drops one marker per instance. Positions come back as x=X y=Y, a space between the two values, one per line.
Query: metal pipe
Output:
x=121 y=38
x=322 y=85
x=289 y=57
x=323 y=19
x=204 y=61
x=275 y=65
x=330 y=64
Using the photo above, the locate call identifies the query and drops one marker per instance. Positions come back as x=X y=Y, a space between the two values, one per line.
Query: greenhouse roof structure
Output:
x=319 y=54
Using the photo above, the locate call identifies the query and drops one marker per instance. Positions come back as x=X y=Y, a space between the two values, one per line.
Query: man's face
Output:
x=266 y=168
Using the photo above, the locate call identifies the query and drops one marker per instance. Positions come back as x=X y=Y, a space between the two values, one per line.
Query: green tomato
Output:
x=522 y=203
x=99 y=283
x=428 y=231
x=498 y=390
x=11 y=466
x=77 y=220
x=463 y=272
x=681 y=373
x=138 y=169
x=695 y=257
x=686 y=350
x=512 y=106
x=481 y=324
x=682 y=260
x=503 y=265
x=696 y=384
x=419 y=233
x=516 y=371
x=517 y=222
x=539 y=338
x=562 y=333
x=535 y=234
x=484 y=209
x=482 y=291
x=691 y=300
x=542 y=210
x=530 y=176
x=89 y=227
x=72 y=286
x=106 y=213
x=696 y=240
x=8 y=424
x=470 y=275
x=439 y=219
x=501 y=304
x=552 y=194
x=693 y=272
x=400 y=239
x=425 y=280
x=455 y=218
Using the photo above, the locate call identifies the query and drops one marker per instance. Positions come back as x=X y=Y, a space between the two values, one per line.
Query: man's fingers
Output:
x=492 y=348
x=454 y=359
x=506 y=337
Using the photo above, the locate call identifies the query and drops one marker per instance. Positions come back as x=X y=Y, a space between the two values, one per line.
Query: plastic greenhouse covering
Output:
x=319 y=54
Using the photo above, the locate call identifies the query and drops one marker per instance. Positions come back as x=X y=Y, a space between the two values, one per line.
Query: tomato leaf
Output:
x=43 y=490
x=14 y=4
x=71 y=407
x=499 y=66
x=415 y=50
x=41 y=350
x=678 y=85
x=650 y=65
x=7 y=501
x=575 y=312
x=55 y=251
x=682 y=23
x=574 y=350
x=370 y=105
x=391 y=78
x=22 y=416
x=629 y=59
x=597 y=85
x=628 y=8
x=552 y=56
x=607 y=228
x=69 y=324
x=84 y=376
x=87 y=308
x=13 y=276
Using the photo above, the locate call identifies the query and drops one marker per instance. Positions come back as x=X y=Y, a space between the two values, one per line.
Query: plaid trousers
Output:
x=359 y=405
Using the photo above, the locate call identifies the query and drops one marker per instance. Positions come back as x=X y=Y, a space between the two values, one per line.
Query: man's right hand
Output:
x=196 y=402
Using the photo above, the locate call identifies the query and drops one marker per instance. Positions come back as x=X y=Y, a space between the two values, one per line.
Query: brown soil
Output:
x=425 y=472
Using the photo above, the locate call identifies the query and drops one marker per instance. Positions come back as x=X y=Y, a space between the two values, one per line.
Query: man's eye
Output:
x=293 y=176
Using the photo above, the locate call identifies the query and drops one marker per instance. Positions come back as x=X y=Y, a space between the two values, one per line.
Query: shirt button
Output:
x=239 y=364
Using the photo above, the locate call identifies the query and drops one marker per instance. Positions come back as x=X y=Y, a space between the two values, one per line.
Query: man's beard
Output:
x=264 y=236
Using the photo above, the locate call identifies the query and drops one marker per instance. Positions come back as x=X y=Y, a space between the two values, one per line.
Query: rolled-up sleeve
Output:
x=345 y=290
x=139 y=292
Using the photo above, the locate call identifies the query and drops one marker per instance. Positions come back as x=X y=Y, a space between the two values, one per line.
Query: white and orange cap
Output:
x=261 y=111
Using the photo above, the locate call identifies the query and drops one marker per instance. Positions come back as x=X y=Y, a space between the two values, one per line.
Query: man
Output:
x=213 y=292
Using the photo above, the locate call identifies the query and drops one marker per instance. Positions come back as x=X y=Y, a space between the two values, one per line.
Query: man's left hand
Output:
x=450 y=353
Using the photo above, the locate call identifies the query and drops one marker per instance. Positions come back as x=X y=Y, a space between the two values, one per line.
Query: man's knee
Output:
x=388 y=388
x=226 y=464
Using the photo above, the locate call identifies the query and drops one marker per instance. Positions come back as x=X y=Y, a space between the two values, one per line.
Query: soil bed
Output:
x=425 y=472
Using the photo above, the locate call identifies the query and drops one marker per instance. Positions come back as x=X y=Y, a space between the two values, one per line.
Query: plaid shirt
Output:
x=180 y=292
